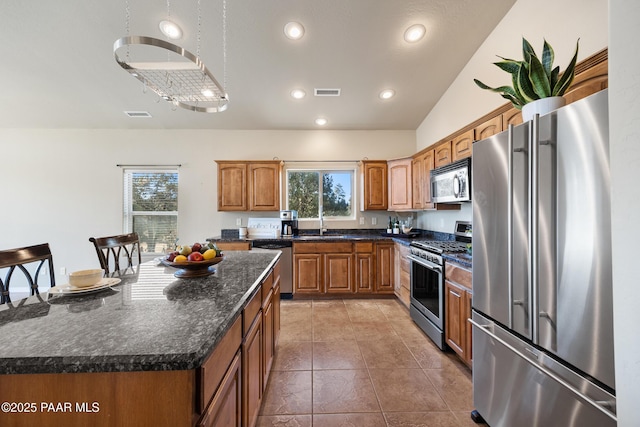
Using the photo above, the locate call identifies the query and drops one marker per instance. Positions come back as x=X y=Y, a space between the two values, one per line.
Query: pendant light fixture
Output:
x=172 y=72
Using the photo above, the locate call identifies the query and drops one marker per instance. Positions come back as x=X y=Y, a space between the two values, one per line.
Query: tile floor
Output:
x=362 y=363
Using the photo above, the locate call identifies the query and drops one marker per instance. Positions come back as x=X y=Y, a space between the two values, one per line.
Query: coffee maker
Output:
x=289 y=221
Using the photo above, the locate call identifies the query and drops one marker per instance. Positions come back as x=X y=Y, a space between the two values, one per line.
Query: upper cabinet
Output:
x=373 y=177
x=512 y=116
x=442 y=154
x=253 y=186
x=422 y=165
x=461 y=146
x=400 y=185
x=488 y=128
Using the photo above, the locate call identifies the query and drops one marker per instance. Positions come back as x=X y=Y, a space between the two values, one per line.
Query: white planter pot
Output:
x=542 y=106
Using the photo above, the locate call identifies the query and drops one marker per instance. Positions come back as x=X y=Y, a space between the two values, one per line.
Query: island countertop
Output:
x=151 y=321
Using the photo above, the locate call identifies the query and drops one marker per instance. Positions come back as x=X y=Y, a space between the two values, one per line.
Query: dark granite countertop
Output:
x=460 y=258
x=151 y=321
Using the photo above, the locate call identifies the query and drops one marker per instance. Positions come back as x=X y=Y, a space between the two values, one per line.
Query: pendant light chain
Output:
x=199 y=26
x=224 y=45
x=127 y=23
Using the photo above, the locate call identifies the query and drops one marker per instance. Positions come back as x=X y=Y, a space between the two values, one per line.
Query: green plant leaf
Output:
x=514 y=101
x=527 y=51
x=547 y=59
x=524 y=86
x=554 y=77
x=567 y=77
x=538 y=78
x=508 y=65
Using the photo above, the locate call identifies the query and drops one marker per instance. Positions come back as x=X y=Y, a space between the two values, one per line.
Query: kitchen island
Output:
x=153 y=350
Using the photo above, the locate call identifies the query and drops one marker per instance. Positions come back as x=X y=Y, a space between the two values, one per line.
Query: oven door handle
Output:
x=425 y=263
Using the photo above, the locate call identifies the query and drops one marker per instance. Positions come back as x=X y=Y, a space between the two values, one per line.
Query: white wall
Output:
x=624 y=102
x=63 y=186
x=560 y=22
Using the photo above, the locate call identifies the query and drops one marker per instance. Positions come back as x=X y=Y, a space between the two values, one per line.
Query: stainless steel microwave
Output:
x=452 y=183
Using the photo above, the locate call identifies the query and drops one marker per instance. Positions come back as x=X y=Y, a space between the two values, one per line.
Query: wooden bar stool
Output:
x=18 y=258
x=114 y=249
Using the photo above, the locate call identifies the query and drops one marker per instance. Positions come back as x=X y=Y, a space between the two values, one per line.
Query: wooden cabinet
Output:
x=364 y=266
x=402 y=274
x=232 y=186
x=233 y=246
x=268 y=339
x=458 y=310
x=373 y=177
x=488 y=128
x=264 y=186
x=417 y=178
x=323 y=267
x=427 y=166
x=384 y=268
x=511 y=117
x=442 y=154
x=253 y=186
x=461 y=146
x=400 y=185
x=252 y=379
x=225 y=409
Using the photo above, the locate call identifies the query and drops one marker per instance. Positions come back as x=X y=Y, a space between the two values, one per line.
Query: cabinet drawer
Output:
x=233 y=246
x=276 y=272
x=405 y=279
x=360 y=247
x=405 y=264
x=322 y=248
x=458 y=275
x=267 y=284
x=251 y=310
x=215 y=366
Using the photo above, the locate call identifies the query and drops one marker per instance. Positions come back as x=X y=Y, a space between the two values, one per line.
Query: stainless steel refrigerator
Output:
x=542 y=287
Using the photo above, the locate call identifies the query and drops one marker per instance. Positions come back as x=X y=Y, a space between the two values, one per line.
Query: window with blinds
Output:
x=151 y=208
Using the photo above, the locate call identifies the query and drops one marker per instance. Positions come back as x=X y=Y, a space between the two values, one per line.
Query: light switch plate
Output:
x=361 y=220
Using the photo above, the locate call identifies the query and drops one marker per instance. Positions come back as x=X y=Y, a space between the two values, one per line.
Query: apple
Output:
x=196 y=247
x=172 y=256
x=195 y=256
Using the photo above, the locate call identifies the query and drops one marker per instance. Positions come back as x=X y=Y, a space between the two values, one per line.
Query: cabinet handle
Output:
x=454 y=293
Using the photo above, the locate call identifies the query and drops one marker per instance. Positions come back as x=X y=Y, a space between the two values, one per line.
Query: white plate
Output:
x=71 y=290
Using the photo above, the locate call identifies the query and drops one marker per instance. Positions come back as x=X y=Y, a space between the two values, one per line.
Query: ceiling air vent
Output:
x=137 y=114
x=326 y=92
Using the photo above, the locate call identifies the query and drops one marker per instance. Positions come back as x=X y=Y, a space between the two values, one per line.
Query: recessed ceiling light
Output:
x=170 y=29
x=294 y=30
x=414 y=33
x=298 y=93
x=207 y=92
x=387 y=93
x=321 y=121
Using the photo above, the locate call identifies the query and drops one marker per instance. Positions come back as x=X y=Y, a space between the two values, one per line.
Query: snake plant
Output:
x=533 y=78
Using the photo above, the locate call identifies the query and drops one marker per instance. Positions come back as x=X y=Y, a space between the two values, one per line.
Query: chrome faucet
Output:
x=322 y=228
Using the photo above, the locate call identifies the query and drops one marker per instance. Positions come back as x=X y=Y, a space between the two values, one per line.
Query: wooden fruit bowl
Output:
x=188 y=269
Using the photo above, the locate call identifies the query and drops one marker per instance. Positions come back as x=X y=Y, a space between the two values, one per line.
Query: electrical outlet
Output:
x=238 y=221
x=63 y=271
x=374 y=220
x=361 y=220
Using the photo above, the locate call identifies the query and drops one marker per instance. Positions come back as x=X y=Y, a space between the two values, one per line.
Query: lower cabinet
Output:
x=252 y=378
x=338 y=273
x=402 y=274
x=385 y=268
x=268 y=347
x=458 y=311
x=225 y=410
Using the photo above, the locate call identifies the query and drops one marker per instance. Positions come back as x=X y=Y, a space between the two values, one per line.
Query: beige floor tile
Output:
x=387 y=353
x=333 y=331
x=349 y=420
x=428 y=355
x=293 y=356
x=337 y=355
x=284 y=421
x=408 y=330
x=368 y=331
x=289 y=392
x=328 y=303
x=405 y=390
x=346 y=390
x=464 y=419
x=367 y=311
x=421 y=419
x=453 y=386
x=295 y=331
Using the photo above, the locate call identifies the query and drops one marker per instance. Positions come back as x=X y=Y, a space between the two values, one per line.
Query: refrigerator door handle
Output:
x=533 y=226
x=510 y=150
x=602 y=406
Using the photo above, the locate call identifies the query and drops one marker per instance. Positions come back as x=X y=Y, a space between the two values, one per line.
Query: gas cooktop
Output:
x=440 y=246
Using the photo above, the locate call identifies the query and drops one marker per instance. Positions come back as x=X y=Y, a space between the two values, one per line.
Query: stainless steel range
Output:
x=427 y=280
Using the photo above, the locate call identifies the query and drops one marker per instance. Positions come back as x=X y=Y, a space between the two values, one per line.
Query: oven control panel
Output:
x=421 y=253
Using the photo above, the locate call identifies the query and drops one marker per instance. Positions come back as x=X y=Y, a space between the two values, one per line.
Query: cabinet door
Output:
x=384 y=268
x=338 y=273
x=417 y=177
x=400 y=185
x=264 y=186
x=252 y=373
x=232 y=186
x=442 y=154
x=455 y=313
x=365 y=272
x=268 y=349
x=488 y=128
x=461 y=146
x=276 y=316
x=427 y=167
x=468 y=329
x=511 y=117
x=374 y=185
x=225 y=409
x=307 y=273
